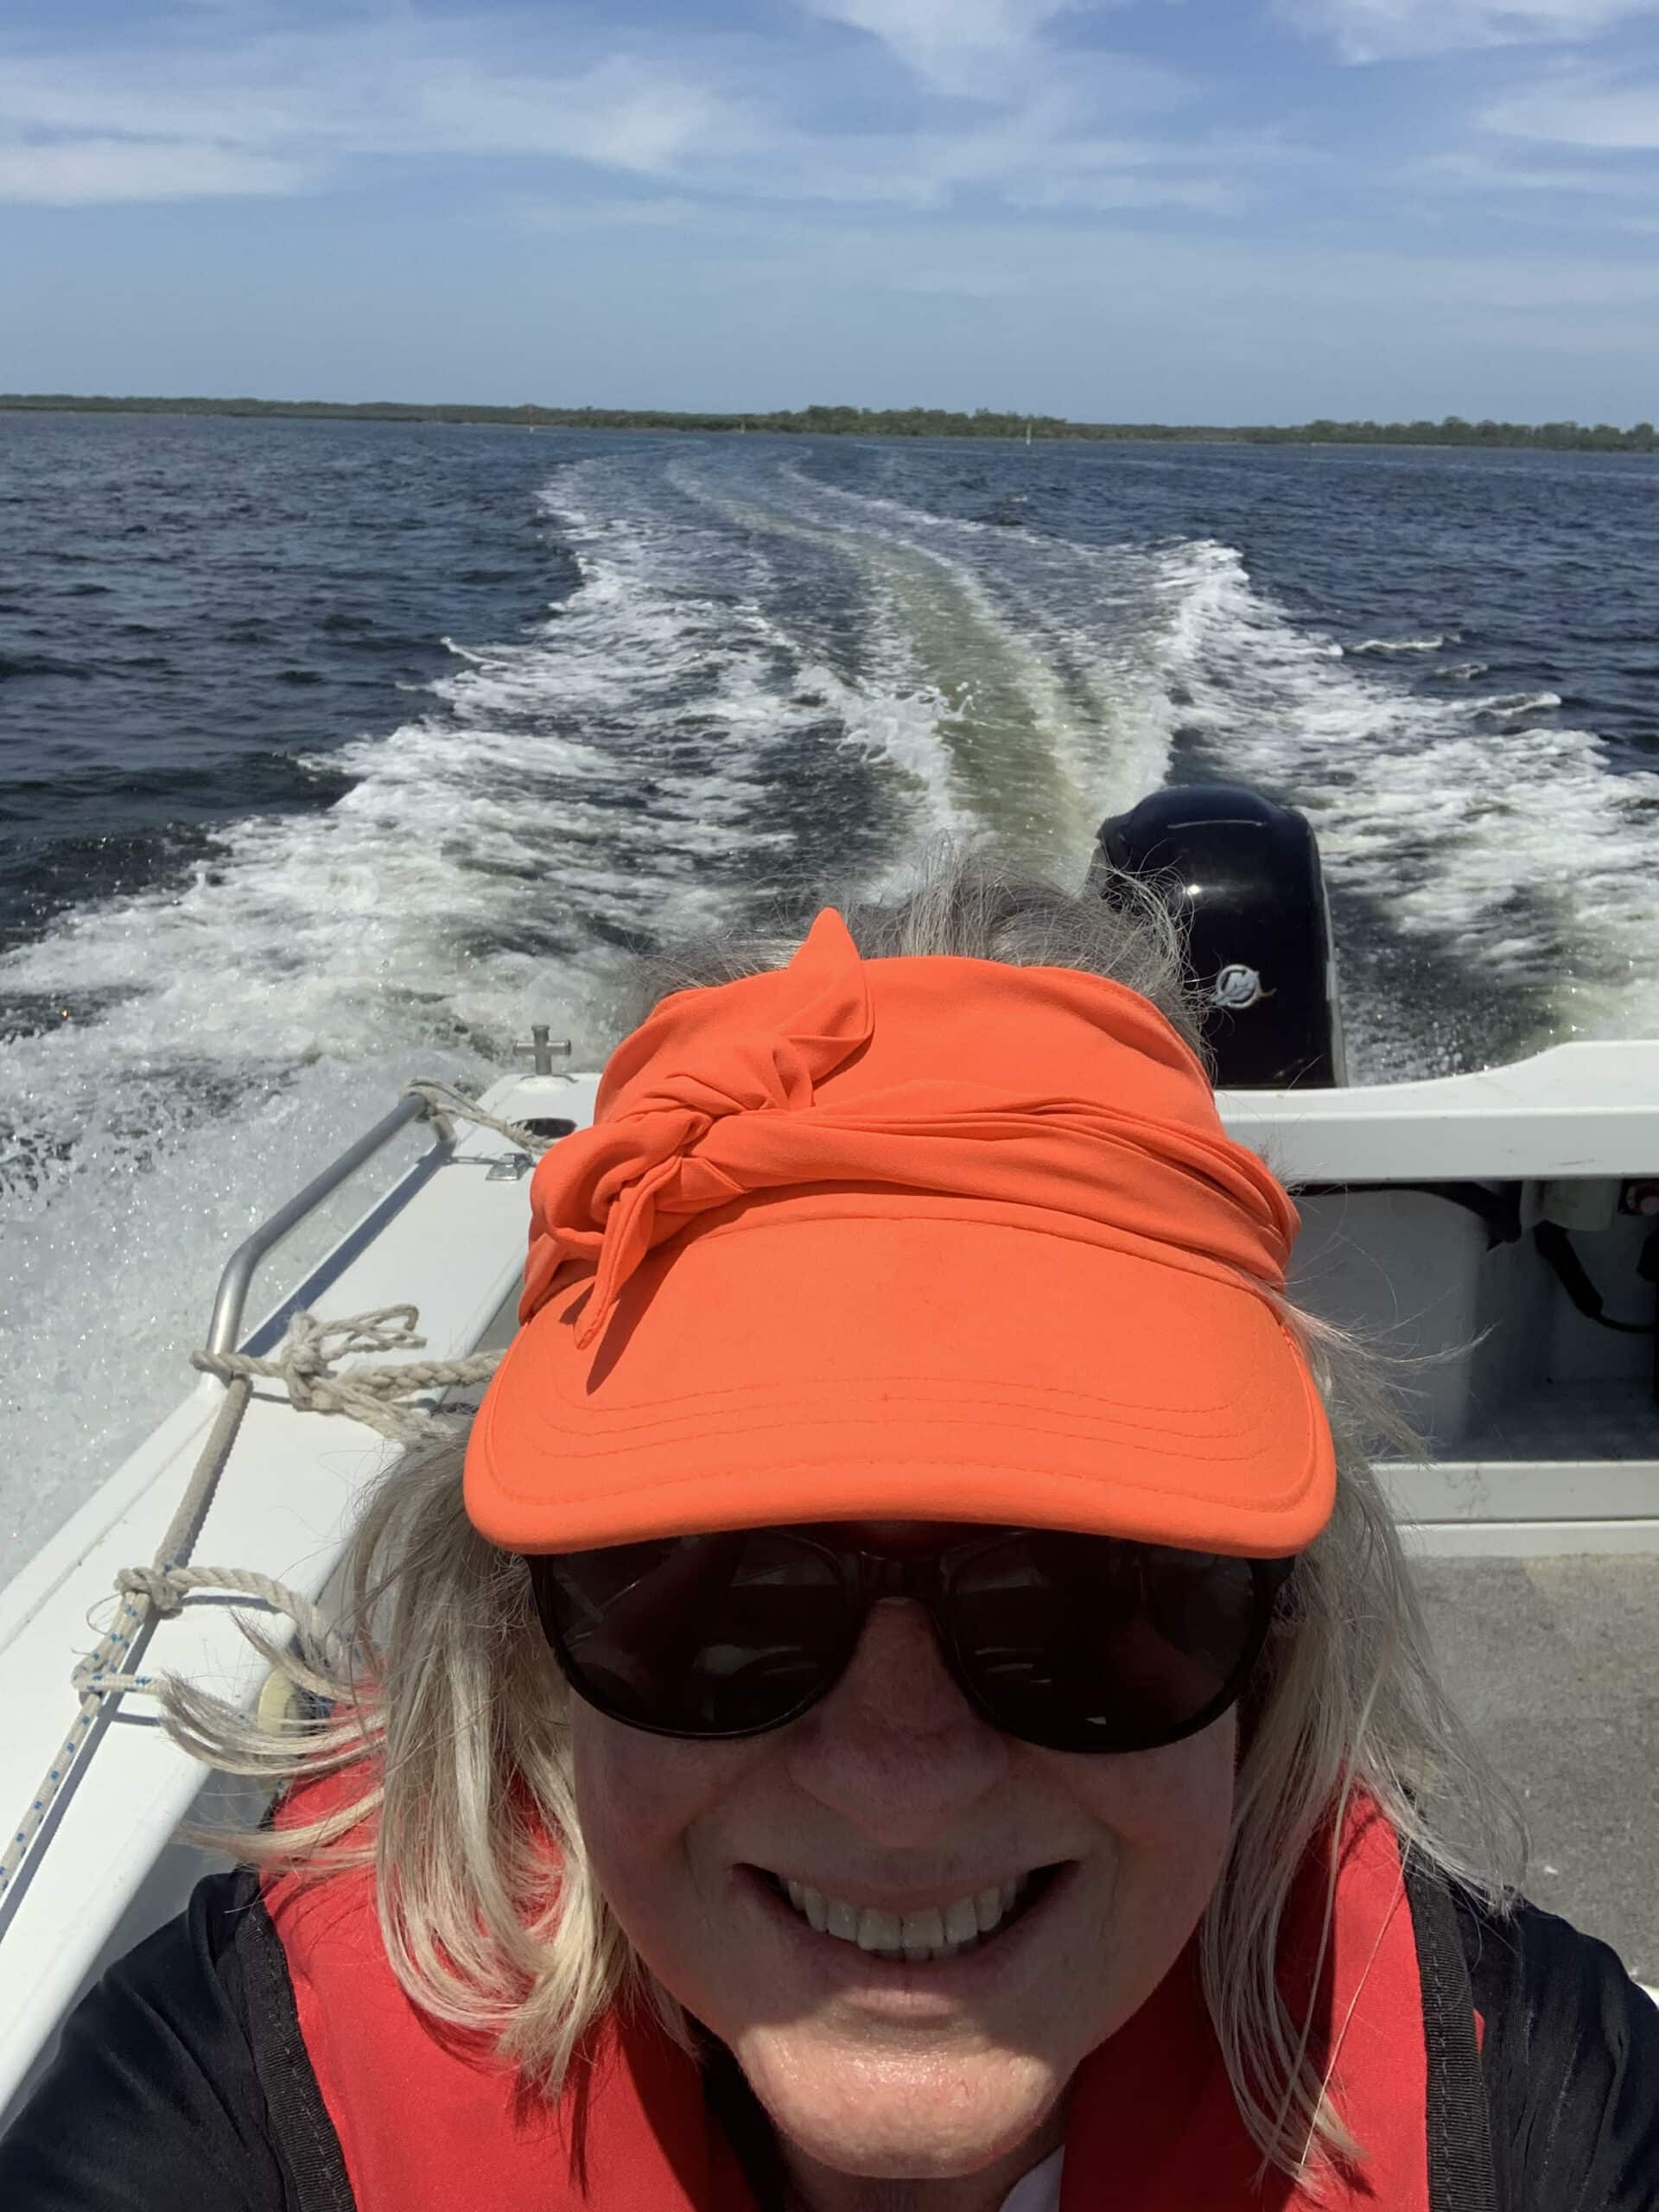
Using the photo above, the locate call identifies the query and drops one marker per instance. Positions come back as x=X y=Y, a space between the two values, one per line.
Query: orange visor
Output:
x=911 y=1239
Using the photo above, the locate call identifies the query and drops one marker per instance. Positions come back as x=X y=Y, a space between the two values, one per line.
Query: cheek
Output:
x=631 y=1790
x=1180 y=1798
x=1165 y=1817
x=639 y=1799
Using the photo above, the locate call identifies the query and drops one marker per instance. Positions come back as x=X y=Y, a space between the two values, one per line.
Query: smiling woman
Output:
x=913 y=1699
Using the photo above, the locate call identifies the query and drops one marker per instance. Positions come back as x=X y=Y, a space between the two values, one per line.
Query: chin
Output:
x=884 y=2116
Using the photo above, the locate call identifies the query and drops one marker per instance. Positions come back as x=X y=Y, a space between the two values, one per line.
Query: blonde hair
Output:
x=442 y=1690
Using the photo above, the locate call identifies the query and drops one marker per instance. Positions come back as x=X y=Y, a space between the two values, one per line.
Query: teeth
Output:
x=924 y=1933
x=880 y=1932
x=939 y=1932
x=962 y=1922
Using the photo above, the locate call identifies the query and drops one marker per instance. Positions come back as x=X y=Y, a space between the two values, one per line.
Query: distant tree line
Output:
x=887 y=422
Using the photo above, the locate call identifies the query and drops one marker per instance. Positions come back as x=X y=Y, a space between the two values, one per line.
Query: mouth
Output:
x=931 y=1935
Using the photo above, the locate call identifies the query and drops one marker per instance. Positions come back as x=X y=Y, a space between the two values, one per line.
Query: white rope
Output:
x=305 y=1362
x=442 y=1100
x=165 y=1588
x=130 y=1617
x=305 y=1359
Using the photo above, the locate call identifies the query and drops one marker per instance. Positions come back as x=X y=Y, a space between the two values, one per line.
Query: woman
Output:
x=915 y=1703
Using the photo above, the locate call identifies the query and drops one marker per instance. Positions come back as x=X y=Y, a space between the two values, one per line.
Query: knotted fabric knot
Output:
x=1062 y=1097
x=608 y=1193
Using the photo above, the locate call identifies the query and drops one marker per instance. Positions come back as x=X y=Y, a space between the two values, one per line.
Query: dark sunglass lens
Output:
x=1087 y=1643
x=697 y=1636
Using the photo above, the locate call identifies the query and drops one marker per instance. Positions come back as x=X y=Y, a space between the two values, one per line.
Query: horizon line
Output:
x=844 y=419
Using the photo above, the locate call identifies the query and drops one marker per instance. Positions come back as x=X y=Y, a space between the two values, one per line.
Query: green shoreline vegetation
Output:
x=881 y=422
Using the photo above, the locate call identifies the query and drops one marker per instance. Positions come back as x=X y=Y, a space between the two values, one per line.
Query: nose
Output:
x=895 y=1750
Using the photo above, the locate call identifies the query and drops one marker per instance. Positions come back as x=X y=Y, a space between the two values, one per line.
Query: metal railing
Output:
x=231 y=1299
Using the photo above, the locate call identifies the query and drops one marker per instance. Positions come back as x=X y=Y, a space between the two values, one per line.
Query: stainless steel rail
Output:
x=231 y=1297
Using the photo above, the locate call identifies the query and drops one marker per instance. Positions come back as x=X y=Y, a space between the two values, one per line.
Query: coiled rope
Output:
x=305 y=1365
x=443 y=1101
x=305 y=1362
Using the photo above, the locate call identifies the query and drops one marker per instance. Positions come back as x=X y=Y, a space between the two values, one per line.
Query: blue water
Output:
x=330 y=751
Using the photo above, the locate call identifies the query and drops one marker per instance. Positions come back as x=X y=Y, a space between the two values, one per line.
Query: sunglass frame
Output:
x=867 y=1573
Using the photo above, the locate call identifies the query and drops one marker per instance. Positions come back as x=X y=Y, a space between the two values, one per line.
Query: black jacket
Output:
x=182 y=2085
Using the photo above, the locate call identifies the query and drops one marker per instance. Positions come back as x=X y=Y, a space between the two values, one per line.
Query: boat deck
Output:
x=1555 y=1662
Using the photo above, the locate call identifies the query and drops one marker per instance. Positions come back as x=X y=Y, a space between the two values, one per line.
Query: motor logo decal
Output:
x=1238 y=987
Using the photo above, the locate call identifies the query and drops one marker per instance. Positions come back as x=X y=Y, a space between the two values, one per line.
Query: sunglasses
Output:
x=1078 y=1643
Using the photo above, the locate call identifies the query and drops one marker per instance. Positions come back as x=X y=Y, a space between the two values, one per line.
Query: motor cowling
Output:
x=1243 y=877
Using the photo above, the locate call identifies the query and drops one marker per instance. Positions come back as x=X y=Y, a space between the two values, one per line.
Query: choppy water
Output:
x=329 y=753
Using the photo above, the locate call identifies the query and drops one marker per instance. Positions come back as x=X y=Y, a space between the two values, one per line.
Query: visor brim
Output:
x=871 y=1358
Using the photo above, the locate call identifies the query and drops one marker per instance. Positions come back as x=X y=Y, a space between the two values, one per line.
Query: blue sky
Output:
x=1205 y=210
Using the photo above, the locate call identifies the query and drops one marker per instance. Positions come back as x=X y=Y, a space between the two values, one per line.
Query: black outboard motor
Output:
x=1243 y=877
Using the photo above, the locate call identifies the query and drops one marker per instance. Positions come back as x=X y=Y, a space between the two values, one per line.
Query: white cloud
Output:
x=1203 y=194
x=348 y=93
x=1579 y=109
x=1047 y=151
x=619 y=114
x=1385 y=30
x=689 y=113
x=991 y=49
x=658 y=214
x=1480 y=172
x=948 y=43
x=74 y=172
